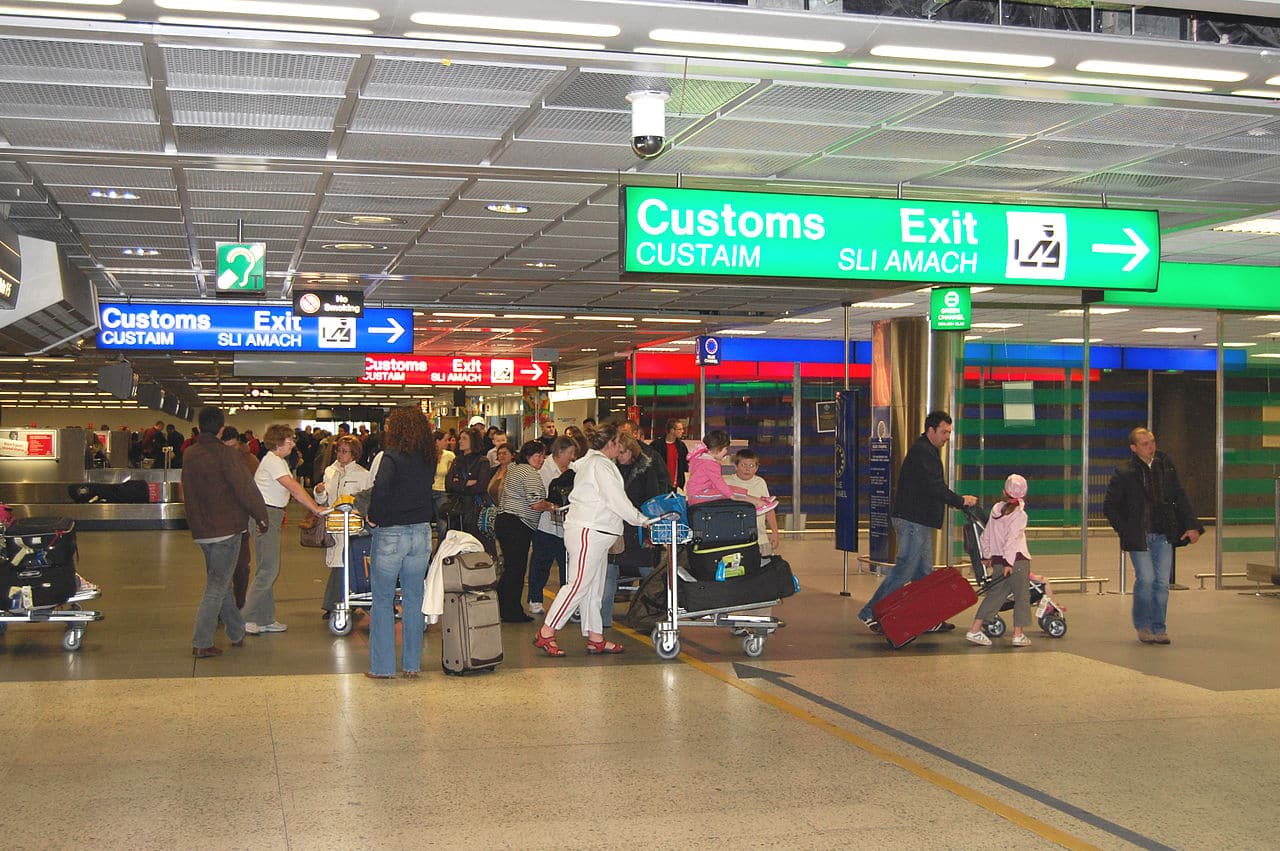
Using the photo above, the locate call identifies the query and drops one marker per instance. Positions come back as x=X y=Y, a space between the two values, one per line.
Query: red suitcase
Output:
x=918 y=606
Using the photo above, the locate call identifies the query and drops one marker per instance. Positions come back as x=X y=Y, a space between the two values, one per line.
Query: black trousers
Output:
x=515 y=538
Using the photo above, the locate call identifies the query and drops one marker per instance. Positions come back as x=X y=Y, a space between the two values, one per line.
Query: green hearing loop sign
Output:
x=242 y=268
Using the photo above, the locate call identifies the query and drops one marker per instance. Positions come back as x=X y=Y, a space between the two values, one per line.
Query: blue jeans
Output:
x=218 y=601
x=1151 y=583
x=399 y=552
x=547 y=550
x=914 y=561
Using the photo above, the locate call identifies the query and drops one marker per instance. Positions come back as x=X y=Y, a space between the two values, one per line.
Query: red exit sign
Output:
x=468 y=371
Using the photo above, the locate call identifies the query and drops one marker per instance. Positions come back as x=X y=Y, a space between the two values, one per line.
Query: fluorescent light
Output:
x=1093 y=311
x=968 y=337
x=1076 y=340
x=972 y=57
x=84 y=2
x=1177 y=72
x=1268 y=317
x=1274 y=81
x=1265 y=227
x=588 y=350
x=246 y=24
x=1266 y=355
x=741 y=332
x=468 y=315
x=519 y=25
x=1232 y=345
x=271 y=9
x=587 y=318
x=954 y=70
x=1155 y=85
x=659 y=349
x=883 y=305
x=36 y=12
x=541 y=265
x=1256 y=93
x=507 y=209
x=671 y=320
x=802 y=320
x=976 y=290
x=743 y=40
x=494 y=38
x=110 y=194
x=781 y=59
x=532 y=316
x=996 y=326
x=1170 y=329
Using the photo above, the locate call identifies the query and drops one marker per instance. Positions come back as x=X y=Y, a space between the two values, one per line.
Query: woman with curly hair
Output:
x=400 y=513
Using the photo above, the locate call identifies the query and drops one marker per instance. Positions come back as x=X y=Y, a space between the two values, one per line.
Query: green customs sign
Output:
x=707 y=232
x=242 y=268
x=950 y=309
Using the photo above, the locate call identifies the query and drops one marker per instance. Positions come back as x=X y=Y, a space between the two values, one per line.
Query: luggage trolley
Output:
x=38 y=573
x=343 y=520
x=666 y=633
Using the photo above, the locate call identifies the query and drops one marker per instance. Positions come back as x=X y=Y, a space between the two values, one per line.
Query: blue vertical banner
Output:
x=879 y=484
x=846 y=465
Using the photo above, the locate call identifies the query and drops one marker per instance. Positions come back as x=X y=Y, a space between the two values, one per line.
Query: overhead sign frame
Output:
x=704 y=232
x=467 y=371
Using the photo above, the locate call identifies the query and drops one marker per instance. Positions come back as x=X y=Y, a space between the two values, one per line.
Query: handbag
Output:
x=618 y=546
x=312 y=533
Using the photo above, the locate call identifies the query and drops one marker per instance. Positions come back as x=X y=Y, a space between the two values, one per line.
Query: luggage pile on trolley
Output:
x=347 y=524
x=714 y=545
x=38 y=578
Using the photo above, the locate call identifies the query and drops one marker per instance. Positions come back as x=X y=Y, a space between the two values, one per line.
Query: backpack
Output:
x=559 y=489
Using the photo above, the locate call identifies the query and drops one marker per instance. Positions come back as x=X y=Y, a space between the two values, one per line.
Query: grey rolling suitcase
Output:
x=469 y=572
x=471 y=633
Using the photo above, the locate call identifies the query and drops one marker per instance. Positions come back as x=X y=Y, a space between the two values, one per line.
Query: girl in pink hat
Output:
x=1005 y=551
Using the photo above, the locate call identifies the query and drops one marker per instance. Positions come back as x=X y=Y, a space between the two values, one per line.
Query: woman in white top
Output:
x=598 y=506
x=276 y=483
x=344 y=477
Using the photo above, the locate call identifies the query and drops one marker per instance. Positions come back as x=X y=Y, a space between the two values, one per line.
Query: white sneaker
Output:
x=253 y=629
x=1021 y=641
x=978 y=638
x=535 y=608
x=274 y=626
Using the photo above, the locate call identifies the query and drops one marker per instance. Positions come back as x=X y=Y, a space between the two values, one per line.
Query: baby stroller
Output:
x=1049 y=615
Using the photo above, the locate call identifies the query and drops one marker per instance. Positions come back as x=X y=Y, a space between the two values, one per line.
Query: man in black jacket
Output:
x=919 y=507
x=1149 y=510
x=672 y=452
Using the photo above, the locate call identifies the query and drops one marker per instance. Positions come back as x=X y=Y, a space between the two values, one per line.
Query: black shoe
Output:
x=520 y=618
x=942 y=627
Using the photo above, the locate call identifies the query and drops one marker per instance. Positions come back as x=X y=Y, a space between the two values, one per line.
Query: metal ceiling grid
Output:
x=106 y=176
x=999 y=115
x=688 y=160
x=394 y=238
x=25 y=193
x=11 y=173
x=475 y=121
x=229 y=232
x=105 y=227
x=240 y=201
x=250 y=180
x=578 y=228
x=493 y=240
x=861 y=170
x=76 y=212
x=597 y=89
x=251 y=142
x=543 y=213
x=72 y=62
x=79 y=197
x=438 y=267
x=769 y=137
x=279 y=218
x=253 y=109
x=526 y=191
x=158 y=242
x=443 y=252
x=588 y=126
x=222 y=69
x=1147 y=125
x=405 y=186
x=1152 y=186
x=821 y=104
x=522 y=153
x=891 y=143
x=1263 y=137
x=76 y=103
x=994 y=177
x=82 y=135
x=1068 y=153
x=581 y=245
x=414 y=212
x=1241 y=192
x=513 y=225
x=1191 y=162
x=597 y=210
x=461 y=82
x=558 y=253
x=392 y=148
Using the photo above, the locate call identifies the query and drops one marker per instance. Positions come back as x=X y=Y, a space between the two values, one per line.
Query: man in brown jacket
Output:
x=220 y=497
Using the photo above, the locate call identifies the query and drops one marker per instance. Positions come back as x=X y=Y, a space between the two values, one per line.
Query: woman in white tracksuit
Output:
x=598 y=506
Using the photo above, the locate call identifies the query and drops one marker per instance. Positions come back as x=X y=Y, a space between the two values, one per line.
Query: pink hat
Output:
x=1015 y=486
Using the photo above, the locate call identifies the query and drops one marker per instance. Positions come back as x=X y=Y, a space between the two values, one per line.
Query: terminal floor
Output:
x=829 y=740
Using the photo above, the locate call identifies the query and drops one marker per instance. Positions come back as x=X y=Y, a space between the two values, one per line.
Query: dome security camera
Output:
x=648 y=122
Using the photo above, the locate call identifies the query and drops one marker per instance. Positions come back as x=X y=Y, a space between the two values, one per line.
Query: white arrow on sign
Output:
x=394 y=328
x=1137 y=248
x=535 y=373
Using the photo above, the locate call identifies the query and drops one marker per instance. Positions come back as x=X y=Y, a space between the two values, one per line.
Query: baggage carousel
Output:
x=46 y=499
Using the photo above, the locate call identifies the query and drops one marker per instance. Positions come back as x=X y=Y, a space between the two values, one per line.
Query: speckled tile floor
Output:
x=829 y=740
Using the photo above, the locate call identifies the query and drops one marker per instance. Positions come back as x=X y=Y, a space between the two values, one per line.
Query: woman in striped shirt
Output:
x=523 y=499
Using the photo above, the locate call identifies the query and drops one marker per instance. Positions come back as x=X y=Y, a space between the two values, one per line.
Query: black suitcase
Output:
x=471 y=633
x=52 y=539
x=134 y=490
x=785 y=579
x=723 y=521
x=702 y=596
x=724 y=562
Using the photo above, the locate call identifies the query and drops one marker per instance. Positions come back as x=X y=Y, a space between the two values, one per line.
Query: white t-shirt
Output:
x=755 y=486
x=271 y=468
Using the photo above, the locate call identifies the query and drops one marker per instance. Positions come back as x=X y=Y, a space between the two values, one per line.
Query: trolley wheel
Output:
x=1055 y=625
x=72 y=638
x=340 y=623
x=995 y=627
x=666 y=644
x=753 y=645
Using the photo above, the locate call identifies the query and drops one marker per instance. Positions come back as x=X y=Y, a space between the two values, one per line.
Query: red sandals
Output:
x=603 y=646
x=547 y=644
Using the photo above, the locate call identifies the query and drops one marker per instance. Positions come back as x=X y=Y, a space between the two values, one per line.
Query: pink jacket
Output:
x=706 y=477
x=1006 y=534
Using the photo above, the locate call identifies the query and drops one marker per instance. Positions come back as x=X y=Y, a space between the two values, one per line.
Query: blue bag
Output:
x=666 y=503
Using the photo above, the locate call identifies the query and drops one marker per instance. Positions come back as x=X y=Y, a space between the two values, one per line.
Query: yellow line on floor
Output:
x=1017 y=817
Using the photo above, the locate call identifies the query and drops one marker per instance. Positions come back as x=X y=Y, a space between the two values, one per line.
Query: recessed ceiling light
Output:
x=741 y=332
x=1093 y=311
x=483 y=38
x=466 y=315
x=519 y=25
x=542 y=265
x=589 y=318
x=662 y=290
x=352 y=246
x=972 y=57
x=802 y=320
x=671 y=320
x=1176 y=72
x=776 y=58
x=1232 y=345
x=1170 y=329
x=36 y=12
x=742 y=40
x=996 y=326
x=112 y=194
x=247 y=24
x=883 y=305
x=366 y=220
x=140 y=252
x=532 y=316
x=507 y=209
x=491 y=293
x=329 y=281
x=1076 y=340
x=271 y=9
x=1263 y=227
